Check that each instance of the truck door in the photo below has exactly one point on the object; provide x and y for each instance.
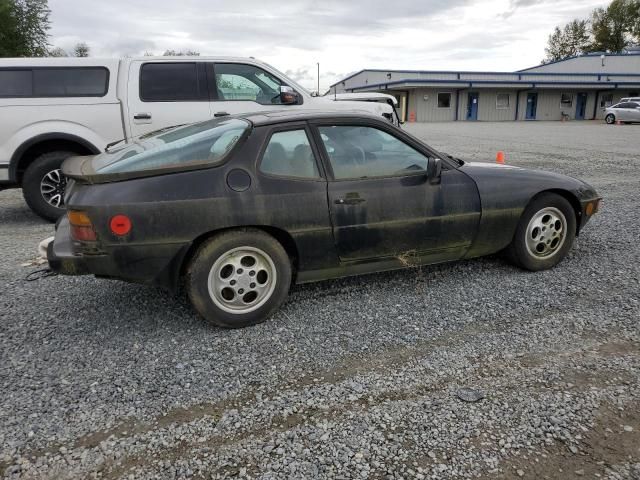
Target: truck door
(162, 94)
(241, 88)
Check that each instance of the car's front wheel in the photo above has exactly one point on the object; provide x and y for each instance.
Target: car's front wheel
(610, 119)
(545, 233)
(239, 278)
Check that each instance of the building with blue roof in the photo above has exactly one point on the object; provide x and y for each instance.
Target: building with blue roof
(578, 88)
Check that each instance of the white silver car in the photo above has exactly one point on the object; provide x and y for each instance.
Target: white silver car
(627, 112)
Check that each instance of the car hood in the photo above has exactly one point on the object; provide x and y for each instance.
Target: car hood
(375, 108)
(364, 97)
(511, 178)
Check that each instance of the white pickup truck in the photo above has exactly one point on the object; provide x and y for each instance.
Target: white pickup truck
(52, 108)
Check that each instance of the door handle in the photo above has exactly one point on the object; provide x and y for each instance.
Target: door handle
(142, 116)
(349, 201)
(221, 114)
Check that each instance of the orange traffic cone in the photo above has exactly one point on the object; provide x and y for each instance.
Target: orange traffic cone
(500, 157)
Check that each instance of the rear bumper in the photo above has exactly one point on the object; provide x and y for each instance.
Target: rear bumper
(158, 265)
(5, 181)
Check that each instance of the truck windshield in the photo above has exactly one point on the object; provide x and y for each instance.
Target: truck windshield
(201, 143)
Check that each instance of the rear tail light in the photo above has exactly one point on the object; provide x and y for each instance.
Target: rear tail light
(81, 226)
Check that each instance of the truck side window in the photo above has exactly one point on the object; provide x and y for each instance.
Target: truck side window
(237, 81)
(50, 82)
(171, 82)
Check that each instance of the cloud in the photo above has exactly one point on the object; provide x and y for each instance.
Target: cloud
(293, 36)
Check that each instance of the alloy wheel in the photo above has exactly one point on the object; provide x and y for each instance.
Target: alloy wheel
(52, 187)
(546, 233)
(242, 280)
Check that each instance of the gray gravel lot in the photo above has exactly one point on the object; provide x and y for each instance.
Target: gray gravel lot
(354, 378)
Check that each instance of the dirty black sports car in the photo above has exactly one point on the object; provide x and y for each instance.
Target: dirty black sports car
(239, 208)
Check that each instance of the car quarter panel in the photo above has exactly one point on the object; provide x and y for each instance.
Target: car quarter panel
(505, 191)
(180, 208)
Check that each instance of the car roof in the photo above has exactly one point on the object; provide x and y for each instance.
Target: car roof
(288, 115)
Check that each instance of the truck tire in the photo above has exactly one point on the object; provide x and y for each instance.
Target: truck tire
(43, 185)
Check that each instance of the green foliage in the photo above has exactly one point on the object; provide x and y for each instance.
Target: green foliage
(180, 53)
(610, 29)
(23, 28)
(572, 40)
(81, 50)
(57, 52)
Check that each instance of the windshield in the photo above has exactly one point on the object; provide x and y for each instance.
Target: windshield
(201, 143)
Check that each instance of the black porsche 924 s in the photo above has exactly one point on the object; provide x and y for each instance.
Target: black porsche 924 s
(237, 209)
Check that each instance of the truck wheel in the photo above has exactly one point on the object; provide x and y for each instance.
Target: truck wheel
(545, 233)
(610, 119)
(43, 185)
(238, 278)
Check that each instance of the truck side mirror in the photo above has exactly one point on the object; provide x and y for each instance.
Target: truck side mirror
(288, 96)
(434, 170)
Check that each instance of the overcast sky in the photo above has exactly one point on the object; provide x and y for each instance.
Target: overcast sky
(343, 35)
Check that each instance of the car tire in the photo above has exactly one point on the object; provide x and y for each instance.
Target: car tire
(545, 233)
(610, 119)
(43, 185)
(238, 278)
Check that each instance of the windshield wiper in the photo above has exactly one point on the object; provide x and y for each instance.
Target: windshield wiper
(455, 159)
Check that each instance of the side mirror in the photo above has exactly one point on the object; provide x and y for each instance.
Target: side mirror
(288, 96)
(434, 170)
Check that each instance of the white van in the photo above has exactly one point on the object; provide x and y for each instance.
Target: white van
(52, 108)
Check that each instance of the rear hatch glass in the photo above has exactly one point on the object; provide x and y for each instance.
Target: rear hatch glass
(201, 143)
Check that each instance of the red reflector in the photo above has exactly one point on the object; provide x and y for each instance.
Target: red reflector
(83, 234)
(120, 225)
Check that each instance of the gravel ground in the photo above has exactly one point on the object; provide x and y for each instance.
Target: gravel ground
(355, 378)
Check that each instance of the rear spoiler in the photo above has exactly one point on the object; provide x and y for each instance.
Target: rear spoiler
(77, 167)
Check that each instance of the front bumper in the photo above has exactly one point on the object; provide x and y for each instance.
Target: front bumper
(588, 208)
(158, 265)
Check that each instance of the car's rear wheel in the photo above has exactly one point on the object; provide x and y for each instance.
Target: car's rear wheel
(43, 185)
(238, 278)
(610, 119)
(545, 233)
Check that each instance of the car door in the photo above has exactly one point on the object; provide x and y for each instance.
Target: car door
(624, 111)
(634, 113)
(383, 204)
(162, 94)
(241, 88)
(292, 192)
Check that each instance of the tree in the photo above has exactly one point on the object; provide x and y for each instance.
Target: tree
(58, 52)
(610, 29)
(81, 50)
(23, 28)
(180, 53)
(572, 40)
(635, 21)
(613, 28)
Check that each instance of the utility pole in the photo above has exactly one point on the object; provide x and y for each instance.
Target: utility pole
(318, 78)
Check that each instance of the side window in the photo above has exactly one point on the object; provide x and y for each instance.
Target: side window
(170, 82)
(361, 152)
(49, 82)
(606, 100)
(566, 100)
(289, 154)
(70, 82)
(16, 83)
(444, 100)
(236, 81)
